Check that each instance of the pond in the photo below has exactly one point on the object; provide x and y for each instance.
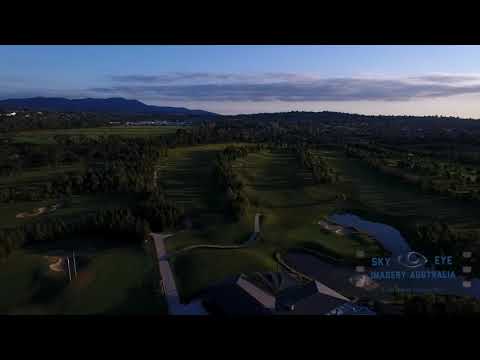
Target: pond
(390, 238)
(393, 241)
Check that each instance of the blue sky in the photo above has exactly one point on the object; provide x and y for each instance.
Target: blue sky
(443, 80)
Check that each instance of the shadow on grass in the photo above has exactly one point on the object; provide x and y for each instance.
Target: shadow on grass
(46, 287)
(140, 300)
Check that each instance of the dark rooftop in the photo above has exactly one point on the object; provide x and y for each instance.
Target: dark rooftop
(312, 298)
(230, 299)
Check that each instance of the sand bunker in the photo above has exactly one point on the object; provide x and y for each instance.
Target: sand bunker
(36, 212)
(57, 264)
(337, 229)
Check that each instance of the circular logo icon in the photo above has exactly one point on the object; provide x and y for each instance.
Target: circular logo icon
(412, 259)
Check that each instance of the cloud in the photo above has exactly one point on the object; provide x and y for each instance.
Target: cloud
(447, 78)
(204, 87)
(286, 87)
(208, 78)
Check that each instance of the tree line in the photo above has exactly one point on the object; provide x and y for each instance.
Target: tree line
(322, 173)
(429, 174)
(227, 179)
(116, 165)
(36, 120)
(131, 225)
(116, 225)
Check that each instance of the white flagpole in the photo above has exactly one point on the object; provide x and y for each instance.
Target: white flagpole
(69, 273)
(74, 265)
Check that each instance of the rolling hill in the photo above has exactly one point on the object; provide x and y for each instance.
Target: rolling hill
(110, 105)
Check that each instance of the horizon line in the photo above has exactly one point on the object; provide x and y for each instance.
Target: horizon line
(237, 114)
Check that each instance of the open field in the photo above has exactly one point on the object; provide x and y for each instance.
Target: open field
(114, 280)
(47, 136)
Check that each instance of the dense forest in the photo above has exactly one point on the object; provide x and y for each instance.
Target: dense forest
(111, 164)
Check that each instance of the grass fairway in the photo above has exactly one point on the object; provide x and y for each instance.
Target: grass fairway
(276, 180)
(198, 269)
(17, 278)
(114, 281)
(186, 175)
(291, 204)
(47, 136)
(214, 232)
(389, 195)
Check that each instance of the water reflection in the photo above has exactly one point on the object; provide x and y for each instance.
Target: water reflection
(393, 241)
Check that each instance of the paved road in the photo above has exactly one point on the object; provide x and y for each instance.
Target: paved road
(175, 307)
(255, 233)
(168, 281)
(251, 240)
(257, 223)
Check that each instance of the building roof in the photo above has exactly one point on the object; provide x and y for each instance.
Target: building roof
(239, 296)
(317, 304)
(294, 294)
(312, 298)
(263, 297)
(231, 298)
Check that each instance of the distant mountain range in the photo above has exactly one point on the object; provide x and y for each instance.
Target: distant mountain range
(111, 105)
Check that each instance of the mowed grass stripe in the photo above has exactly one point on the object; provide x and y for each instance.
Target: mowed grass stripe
(187, 175)
(390, 195)
(275, 179)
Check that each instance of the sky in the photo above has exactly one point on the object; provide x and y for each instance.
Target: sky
(411, 80)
